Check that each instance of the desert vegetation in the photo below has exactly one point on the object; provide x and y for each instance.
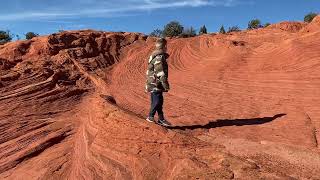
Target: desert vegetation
(173, 29)
(31, 35)
(234, 29)
(203, 30)
(5, 36)
(266, 24)
(222, 30)
(156, 33)
(188, 32)
(176, 29)
(254, 24)
(309, 17)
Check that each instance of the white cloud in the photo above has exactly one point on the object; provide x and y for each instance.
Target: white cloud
(112, 8)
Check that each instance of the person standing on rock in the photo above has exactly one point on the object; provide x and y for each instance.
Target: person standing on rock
(157, 81)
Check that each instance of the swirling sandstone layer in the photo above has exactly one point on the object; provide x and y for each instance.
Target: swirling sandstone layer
(244, 105)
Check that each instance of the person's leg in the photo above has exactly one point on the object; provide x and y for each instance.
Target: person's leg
(153, 108)
(161, 120)
(160, 106)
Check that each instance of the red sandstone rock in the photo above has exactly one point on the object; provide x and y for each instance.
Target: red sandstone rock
(245, 105)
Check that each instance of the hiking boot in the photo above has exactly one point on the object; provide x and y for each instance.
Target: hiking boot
(164, 122)
(150, 119)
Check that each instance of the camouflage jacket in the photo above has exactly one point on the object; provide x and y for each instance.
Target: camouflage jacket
(157, 73)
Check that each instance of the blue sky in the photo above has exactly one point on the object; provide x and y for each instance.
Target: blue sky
(49, 16)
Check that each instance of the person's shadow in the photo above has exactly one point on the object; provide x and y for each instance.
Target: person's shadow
(229, 122)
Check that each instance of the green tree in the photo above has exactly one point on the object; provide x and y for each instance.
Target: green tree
(156, 33)
(254, 24)
(31, 35)
(234, 29)
(222, 30)
(203, 30)
(309, 17)
(174, 28)
(188, 32)
(5, 37)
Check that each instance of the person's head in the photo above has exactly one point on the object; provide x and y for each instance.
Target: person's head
(161, 44)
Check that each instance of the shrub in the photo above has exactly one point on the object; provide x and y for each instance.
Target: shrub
(5, 37)
(254, 24)
(234, 29)
(189, 32)
(309, 17)
(31, 35)
(266, 24)
(203, 30)
(156, 33)
(222, 30)
(172, 29)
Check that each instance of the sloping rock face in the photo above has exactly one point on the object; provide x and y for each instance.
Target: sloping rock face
(243, 105)
(313, 26)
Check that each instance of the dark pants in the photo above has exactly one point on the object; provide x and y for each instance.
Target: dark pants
(156, 105)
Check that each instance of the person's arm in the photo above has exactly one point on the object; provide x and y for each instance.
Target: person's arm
(148, 74)
(161, 69)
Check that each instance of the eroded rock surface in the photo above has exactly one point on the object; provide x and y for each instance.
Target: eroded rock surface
(244, 105)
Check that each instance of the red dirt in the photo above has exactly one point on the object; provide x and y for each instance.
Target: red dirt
(245, 105)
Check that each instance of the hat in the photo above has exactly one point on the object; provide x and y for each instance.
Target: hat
(161, 43)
